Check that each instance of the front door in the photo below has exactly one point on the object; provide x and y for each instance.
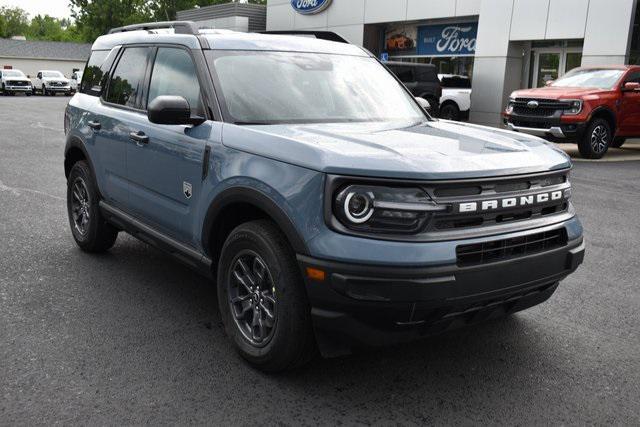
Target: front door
(165, 167)
(552, 63)
(629, 110)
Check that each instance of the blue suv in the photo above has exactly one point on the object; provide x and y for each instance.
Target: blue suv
(332, 211)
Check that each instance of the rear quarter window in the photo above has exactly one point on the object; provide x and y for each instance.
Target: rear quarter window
(95, 74)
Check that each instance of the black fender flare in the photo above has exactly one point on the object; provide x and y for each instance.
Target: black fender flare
(74, 142)
(243, 194)
(607, 110)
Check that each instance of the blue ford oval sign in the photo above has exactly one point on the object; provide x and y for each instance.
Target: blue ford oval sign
(309, 7)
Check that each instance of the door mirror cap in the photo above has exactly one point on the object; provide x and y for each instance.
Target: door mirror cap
(423, 103)
(171, 110)
(631, 87)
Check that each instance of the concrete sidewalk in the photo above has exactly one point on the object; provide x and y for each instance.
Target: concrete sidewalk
(630, 151)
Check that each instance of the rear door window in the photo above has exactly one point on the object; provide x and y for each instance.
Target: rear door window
(126, 83)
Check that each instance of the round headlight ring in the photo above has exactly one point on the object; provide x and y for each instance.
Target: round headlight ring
(362, 204)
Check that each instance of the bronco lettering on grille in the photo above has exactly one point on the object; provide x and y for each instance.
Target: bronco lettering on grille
(511, 202)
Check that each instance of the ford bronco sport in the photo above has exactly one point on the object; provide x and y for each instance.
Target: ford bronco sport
(597, 107)
(332, 210)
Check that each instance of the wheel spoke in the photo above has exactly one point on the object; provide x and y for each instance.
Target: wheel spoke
(244, 309)
(242, 281)
(268, 297)
(259, 269)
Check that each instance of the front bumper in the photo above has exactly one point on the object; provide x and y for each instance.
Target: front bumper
(361, 305)
(58, 88)
(18, 88)
(545, 127)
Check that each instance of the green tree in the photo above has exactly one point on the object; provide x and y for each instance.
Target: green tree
(95, 17)
(14, 21)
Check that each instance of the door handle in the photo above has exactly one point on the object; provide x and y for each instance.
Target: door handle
(139, 137)
(94, 125)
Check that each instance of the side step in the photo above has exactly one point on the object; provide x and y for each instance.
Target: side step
(147, 234)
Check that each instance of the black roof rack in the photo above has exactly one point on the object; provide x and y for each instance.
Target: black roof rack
(180, 27)
(322, 35)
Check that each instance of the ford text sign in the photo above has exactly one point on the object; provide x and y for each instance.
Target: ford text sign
(447, 39)
(308, 7)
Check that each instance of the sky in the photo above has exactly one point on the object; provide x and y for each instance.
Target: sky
(56, 8)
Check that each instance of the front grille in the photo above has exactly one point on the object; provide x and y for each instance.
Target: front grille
(19, 83)
(498, 250)
(545, 108)
(478, 191)
(536, 112)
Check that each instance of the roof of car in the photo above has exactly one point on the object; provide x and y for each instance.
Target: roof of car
(230, 40)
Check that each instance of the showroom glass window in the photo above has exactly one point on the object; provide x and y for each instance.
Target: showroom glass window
(174, 73)
(127, 79)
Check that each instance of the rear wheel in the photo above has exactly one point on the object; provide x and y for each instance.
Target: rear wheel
(450, 111)
(618, 142)
(90, 231)
(4, 91)
(596, 140)
(263, 303)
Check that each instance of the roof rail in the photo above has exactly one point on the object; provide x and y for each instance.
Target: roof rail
(322, 35)
(180, 27)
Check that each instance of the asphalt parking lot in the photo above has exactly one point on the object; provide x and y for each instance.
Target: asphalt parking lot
(132, 337)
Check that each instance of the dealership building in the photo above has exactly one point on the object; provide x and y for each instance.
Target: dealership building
(502, 45)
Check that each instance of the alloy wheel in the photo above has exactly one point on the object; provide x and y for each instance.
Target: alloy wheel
(80, 206)
(599, 139)
(252, 297)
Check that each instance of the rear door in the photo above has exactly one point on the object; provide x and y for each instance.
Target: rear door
(165, 169)
(629, 111)
(117, 113)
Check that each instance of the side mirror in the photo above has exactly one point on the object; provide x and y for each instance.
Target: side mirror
(423, 103)
(549, 82)
(171, 110)
(631, 87)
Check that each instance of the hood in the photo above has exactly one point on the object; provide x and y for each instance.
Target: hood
(431, 150)
(553, 92)
(55, 79)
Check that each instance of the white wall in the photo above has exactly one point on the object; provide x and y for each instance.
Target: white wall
(32, 66)
(503, 26)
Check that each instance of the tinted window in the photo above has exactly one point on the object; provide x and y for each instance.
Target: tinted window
(93, 78)
(405, 74)
(174, 73)
(128, 77)
(426, 74)
(456, 82)
(633, 77)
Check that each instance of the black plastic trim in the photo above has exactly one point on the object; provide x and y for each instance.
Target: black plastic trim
(148, 234)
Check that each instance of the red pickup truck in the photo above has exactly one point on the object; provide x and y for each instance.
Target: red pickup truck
(597, 107)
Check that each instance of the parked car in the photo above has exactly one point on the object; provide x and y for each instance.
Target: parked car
(14, 81)
(76, 78)
(421, 79)
(333, 211)
(50, 83)
(455, 101)
(596, 107)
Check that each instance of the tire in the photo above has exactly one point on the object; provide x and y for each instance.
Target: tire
(450, 111)
(618, 142)
(27, 93)
(45, 92)
(263, 260)
(596, 139)
(4, 91)
(95, 234)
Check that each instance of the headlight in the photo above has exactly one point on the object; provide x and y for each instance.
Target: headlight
(509, 108)
(378, 209)
(575, 106)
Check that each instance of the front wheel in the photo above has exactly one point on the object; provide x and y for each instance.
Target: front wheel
(596, 140)
(90, 231)
(263, 303)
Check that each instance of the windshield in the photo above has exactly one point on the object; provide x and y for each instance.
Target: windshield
(598, 78)
(54, 74)
(13, 73)
(261, 87)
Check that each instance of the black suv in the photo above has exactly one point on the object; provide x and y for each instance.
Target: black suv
(421, 79)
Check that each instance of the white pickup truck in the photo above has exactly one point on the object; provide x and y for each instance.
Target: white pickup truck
(14, 81)
(50, 82)
(455, 101)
